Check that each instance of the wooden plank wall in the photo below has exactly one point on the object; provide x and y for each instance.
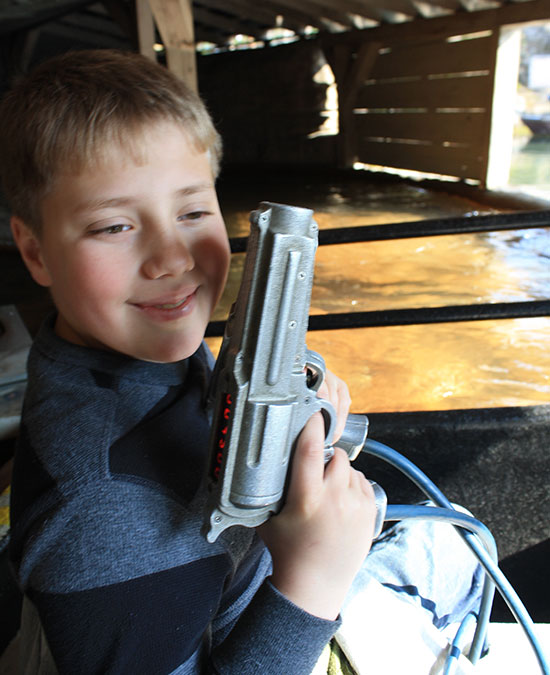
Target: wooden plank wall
(409, 96)
(422, 104)
(427, 106)
(267, 106)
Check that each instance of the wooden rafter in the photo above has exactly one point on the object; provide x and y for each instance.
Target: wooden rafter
(174, 19)
(461, 22)
(218, 20)
(145, 28)
(292, 18)
(260, 13)
(221, 22)
(350, 7)
(312, 12)
(451, 5)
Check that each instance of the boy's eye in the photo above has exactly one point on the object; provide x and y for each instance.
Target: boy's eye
(193, 215)
(112, 229)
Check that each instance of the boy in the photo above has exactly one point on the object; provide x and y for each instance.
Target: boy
(109, 163)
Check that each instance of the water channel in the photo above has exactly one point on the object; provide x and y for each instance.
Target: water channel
(409, 368)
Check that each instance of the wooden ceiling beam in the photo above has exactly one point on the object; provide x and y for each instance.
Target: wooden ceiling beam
(146, 29)
(226, 24)
(452, 5)
(265, 14)
(404, 7)
(174, 19)
(455, 24)
(256, 13)
(370, 9)
(292, 19)
(296, 15)
(350, 7)
(313, 14)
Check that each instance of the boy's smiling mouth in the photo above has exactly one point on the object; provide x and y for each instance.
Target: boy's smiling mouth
(169, 308)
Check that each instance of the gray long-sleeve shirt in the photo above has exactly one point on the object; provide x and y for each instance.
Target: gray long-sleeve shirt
(107, 506)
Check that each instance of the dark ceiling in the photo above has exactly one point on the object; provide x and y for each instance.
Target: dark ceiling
(112, 22)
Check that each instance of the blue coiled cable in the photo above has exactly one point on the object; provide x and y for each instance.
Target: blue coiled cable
(478, 538)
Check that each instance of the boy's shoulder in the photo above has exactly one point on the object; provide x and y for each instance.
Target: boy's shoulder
(103, 441)
(79, 398)
(74, 377)
(53, 356)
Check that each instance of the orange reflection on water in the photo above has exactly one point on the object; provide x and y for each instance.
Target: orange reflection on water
(437, 366)
(441, 366)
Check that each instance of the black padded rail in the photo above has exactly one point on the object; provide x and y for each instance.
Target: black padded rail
(424, 228)
(422, 315)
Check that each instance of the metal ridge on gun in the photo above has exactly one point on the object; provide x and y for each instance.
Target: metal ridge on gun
(265, 382)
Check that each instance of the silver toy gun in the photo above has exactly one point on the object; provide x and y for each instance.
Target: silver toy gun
(265, 382)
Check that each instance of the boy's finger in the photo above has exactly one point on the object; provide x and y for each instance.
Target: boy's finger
(336, 391)
(308, 465)
(338, 469)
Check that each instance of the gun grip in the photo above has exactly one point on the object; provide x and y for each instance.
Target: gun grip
(354, 435)
(381, 505)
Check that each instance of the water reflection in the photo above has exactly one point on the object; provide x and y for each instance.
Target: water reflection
(441, 366)
(435, 367)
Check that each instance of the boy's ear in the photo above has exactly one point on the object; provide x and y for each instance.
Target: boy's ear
(31, 251)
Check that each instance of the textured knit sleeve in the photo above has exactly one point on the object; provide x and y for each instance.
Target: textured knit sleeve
(106, 539)
(273, 636)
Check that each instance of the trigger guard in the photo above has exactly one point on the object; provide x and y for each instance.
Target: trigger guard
(329, 416)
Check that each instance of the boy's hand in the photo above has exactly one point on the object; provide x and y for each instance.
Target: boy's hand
(336, 391)
(322, 535)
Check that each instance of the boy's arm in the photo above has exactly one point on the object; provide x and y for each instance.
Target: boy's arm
(123, 581)
(318, 542)
(158, 622)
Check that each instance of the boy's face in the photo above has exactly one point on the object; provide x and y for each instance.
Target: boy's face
(135, 252)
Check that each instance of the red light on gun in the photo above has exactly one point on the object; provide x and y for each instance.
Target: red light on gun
(221, 437)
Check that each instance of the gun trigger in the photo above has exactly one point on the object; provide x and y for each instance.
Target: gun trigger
(312, 379)
(329, 415)
(315, 370)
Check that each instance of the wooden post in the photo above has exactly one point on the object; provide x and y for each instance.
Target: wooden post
(146, 29)
(350, 69)
(174, 19)
(503, 111)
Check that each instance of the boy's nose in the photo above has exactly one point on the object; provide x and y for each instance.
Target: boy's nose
(167, 256)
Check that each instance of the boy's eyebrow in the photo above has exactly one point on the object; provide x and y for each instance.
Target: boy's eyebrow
(96, 204)
(193, 189)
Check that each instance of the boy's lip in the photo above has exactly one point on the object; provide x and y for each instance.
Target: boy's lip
(170, 301)
(170, 307)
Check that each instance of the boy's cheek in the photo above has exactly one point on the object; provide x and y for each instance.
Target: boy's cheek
(84, 285)
(215, 254)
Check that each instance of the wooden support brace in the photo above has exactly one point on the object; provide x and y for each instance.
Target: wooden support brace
(358, 72)
(174, 19)
(145, 29)
(350, 70)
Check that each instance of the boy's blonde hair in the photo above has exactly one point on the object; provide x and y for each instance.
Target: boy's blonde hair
(68, 111)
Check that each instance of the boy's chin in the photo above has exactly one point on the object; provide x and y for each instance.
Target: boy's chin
(169, 353)
(148, 346)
